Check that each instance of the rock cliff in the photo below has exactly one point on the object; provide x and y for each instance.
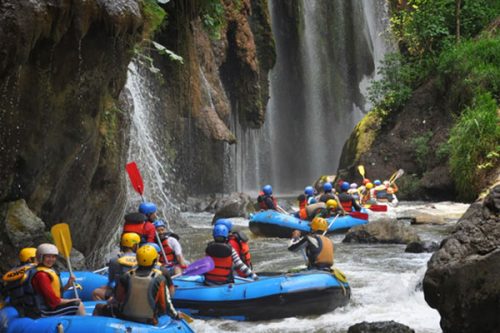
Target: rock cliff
(461, 281)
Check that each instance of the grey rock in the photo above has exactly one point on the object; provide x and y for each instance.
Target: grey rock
(21, 224)
(462, 281)
(380, 327)
(424, 218)
(382, 231)
(419, 247)
(235, 205)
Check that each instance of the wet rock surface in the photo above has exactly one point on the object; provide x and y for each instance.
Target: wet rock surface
(461, 281)
(235, 205)
(382, 231)
(424, 246)
(380, 327)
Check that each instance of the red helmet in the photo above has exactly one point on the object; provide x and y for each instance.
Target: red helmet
(366, 181)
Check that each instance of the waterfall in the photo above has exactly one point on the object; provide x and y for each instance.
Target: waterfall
(327, 53)
(146, 147)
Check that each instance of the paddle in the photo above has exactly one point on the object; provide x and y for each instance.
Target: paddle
(396, 175)
(62, 239)
(359, 215)
(186, 317)
(331, 223)
(198, 267)
(361, 170)
(138, 185)
(378, 208)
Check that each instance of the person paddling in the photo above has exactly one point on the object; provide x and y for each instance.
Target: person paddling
(225, 258)
(346, 200)
(267, 201)
(318, 248)
(172, 248)
(239, 242)
(48, 288)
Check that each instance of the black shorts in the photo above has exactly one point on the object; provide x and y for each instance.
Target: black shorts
(67, 309)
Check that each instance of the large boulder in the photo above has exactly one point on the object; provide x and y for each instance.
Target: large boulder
(419, 247)
(21, 224)
(380, 327)
(237, 204)
(382, 231)
(462, 279)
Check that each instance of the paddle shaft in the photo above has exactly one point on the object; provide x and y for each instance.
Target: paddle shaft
(138, 185)
(69, 264)
(331, 223)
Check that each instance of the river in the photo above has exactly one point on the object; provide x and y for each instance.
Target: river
(385, 281)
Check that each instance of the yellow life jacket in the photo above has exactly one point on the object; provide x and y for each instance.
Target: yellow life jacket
(18, 274)
(128, 260)
(140, 304)
(55, 281)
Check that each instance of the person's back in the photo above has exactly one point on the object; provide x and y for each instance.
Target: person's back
(346, 200)
(15, 283)
(266, 199)
(142, 292)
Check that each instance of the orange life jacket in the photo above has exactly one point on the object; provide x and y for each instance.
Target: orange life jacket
(243, 251)
(221, 253)
(303, 213)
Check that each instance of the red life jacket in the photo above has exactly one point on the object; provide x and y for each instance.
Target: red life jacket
(243, 251)
(221, 253)
(169, 253)
(137, 228)
(262, 202)
(303, 213)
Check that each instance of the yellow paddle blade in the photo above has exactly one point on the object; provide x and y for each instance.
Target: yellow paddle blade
(186, 317)
(62, 238)
(361, 170)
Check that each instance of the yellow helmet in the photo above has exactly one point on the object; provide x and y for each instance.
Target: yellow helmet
(146, 255)
(26, 254)
(130, 239)
(319, 224)
(369, 186)
(331, 203)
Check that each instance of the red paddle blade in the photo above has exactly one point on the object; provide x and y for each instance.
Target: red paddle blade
(378, 208)
(135, 177)
(359, 215)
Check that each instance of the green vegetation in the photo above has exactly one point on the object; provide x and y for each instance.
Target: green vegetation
(154, 16)
(212, 14)
(446, 40)
(475, 144)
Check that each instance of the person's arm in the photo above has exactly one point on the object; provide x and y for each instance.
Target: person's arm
(168, 280)
(176, 247)
(356, 205)
(297, 243)
(240, 265)
(164, 301)
(41, 285)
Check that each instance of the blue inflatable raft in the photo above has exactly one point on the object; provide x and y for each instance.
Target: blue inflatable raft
(270, 297)
(271, 223)
(11, 322)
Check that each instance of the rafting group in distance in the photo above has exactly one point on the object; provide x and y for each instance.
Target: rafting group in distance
(149, 281)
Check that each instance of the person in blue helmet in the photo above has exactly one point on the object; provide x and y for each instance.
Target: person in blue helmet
(327, 193)
(309, 192)
(267, 201)
(149, 209)
(174, 262)
(239, 242)
(226, 259)
(347, 201)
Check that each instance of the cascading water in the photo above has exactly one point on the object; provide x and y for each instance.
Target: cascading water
(145, 145)
(327, 52)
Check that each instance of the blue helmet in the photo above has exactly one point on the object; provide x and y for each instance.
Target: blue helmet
(345, 186)
(267, 189)
(147, 208)
(159, 223)
(156, 246)
(225, 222)
(377, 182)
(309, 191)
(220, 230)
(327, 187)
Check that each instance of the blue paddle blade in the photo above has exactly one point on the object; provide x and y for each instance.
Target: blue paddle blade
(201, 266)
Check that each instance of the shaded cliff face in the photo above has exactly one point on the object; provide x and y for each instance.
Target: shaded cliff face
(461, 281)
(220, 80)
(384, 145)
(62, 134)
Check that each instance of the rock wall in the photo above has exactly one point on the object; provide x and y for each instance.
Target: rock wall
(62, 66)
(384, 144)
(461, 281)
(221, 81)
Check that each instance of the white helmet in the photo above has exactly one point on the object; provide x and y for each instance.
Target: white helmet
(386, 183)
(45, 248)
(354, 186)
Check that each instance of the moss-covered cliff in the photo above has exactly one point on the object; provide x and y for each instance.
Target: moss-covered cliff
(62, 67)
